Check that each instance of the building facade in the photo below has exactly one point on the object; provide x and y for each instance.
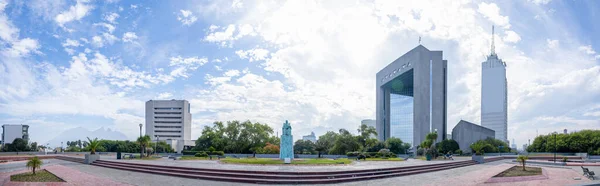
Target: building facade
(370, 123)
(411, 97)
(169, 121)
(310, 137)
(11, 132)
(494, 102)
(466, 133)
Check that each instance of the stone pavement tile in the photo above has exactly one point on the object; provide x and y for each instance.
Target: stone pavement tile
(69, 175)
(556, 176)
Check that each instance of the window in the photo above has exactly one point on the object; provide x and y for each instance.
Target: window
(167, 121)
(167, 127)
(167, 108)
(175, 131)
(167, 117)
(167, 112)
(168, 136)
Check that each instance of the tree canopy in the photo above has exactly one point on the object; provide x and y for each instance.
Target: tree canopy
(236, 137)
(586, 141)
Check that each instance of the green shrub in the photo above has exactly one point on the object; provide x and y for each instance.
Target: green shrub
(218, 153)
(201, 154)
(352, 154)
(459, 152)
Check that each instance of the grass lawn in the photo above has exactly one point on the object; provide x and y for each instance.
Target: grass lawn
(518, 171)
(40, 176)
(137, 157)
(382, 159)
(269, 161)
(197, 158)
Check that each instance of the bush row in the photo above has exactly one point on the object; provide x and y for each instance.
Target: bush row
(190, 152)
(372, 154)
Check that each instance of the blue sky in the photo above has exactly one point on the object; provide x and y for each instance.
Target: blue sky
(92, 64)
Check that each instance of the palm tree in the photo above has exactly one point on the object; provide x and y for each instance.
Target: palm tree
(34, 163)
(143, 141)
(93, 144)
(522, 159)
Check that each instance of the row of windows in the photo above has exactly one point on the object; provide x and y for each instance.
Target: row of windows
(396, 71)
(175, 131)
(167, 122)
(167, 117)
(167, 127)
(167, 112)
(169, 108)
(168, 136)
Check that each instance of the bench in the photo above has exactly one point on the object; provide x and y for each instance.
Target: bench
(588, 173)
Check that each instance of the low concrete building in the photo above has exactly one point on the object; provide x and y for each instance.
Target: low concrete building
(466, 133)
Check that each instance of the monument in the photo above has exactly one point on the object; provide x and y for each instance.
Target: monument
(286, 145)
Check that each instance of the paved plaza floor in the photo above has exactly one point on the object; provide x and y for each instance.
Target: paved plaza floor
(469, 175)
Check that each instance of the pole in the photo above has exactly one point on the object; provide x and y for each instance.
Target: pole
(554, 147)
(156, 145)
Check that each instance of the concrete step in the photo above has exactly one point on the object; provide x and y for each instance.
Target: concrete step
(263, 177)
(323, 175)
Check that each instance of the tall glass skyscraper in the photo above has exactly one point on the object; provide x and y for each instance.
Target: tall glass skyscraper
(411, 97)
(494, 101)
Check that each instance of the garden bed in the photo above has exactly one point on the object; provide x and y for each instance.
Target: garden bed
(518, 171)
(40, 176)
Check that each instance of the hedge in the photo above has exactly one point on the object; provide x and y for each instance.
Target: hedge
(372, 154)
(189, 152)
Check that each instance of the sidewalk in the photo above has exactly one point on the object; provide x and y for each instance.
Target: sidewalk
(69, 175)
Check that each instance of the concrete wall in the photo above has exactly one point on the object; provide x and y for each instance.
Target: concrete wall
(466, 133)
(429, 93)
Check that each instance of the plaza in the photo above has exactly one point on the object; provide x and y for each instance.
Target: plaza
(477, 174)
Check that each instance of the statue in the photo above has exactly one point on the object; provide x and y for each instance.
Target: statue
(286, 145)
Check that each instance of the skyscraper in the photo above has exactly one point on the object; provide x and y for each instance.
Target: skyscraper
(494, 94)
(411, 97)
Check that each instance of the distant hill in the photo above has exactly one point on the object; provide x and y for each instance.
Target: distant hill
(80, 133)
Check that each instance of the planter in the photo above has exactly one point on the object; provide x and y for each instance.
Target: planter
(428, 157)
(90, 158)
(478, 158)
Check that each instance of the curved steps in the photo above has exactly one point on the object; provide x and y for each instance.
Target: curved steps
(270, 177)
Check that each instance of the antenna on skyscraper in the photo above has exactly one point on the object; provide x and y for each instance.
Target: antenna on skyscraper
(493, 47)
(419, 40)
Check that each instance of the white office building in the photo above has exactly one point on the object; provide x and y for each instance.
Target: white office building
(494, 95)
(11, 132)
(310, 137)
(170, 121)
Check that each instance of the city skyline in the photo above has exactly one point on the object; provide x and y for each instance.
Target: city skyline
(68, 64)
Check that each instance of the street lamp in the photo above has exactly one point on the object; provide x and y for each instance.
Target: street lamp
(140, 130)
(554, 146)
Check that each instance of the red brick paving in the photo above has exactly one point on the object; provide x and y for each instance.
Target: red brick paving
(71, 177)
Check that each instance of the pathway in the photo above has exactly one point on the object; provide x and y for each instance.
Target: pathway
(69, 175)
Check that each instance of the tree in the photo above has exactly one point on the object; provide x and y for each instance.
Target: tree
(374, 145)
(33, 146)
(18, 145)
(522, 159)
(143, 141)
(446, 146)
(34, 163)
(326, 142)
(396, 145)
(93, 145)
(304, 147)
(270, 149)
(364, 133)
(344, 142)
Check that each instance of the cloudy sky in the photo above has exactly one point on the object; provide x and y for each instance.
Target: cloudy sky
(92, 64)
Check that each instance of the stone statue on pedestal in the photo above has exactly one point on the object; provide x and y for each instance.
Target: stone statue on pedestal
(286, 145)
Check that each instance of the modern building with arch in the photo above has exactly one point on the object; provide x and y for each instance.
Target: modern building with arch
(411, 97)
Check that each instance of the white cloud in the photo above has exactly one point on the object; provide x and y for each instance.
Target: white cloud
(71, 43)
(70, 51)
(552, 43)
(186, 17)
(182, 65)
(257, 54)
(221, 37)
(110, 28)
(111, 17)
(491, 11)
(129, 37)
(164, 95)
(540, 2)
(22, 47)
(512, 37)
(232, 73)
(587, 49)
(97, 41)
(75, 12)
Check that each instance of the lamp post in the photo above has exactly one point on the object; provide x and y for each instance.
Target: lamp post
(140, 130)
(554, 147)
(156, 144)
(61, 147)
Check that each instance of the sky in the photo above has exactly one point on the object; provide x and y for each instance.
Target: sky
(93, 64)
